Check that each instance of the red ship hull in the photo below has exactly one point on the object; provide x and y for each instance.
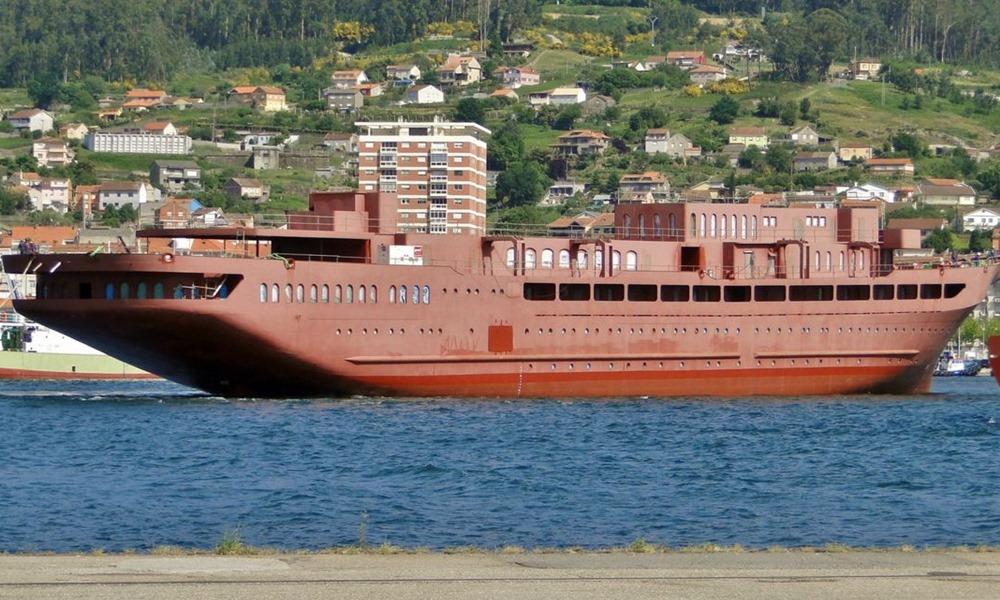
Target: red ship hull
(993, 345)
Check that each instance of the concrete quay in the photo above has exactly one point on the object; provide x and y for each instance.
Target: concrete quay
(577, 576)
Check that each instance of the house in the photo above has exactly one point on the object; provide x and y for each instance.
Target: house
(51, 152)
(865, 69)
(46, 236)
(459, 70)
(517, 49)
(868, 191)
(748, 136)
(73, 131)
(85, 198)
(268, 98)
(341, 142)
(242, 94)
(515, 77)
(173, 213)
(981, 218)
(175, 175)
(686, 59)
(52, 193)
(343, 99)
(656, 140)
(703, 75)
(246, 188)
(159, 128)
(644, 188)
(653, 62)
(33, 119)
(25, 179)
(581, 141)
(402, 75)
(140, 105)
(507, 93)
(371, 89)
(925, 225)
(804, 135)
(567, 95)
(890, 166)
(947, 192)
(121, 193)
(659, 141)
(156, 96)
(584, 224)
(854, 152)
(423, 94)
(560, 191)
(350, 78)
(109, 114)
(815, 161)
(208, 216)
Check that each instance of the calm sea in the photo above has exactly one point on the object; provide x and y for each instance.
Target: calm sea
(134, 465)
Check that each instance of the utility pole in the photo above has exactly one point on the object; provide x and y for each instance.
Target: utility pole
(652, 27)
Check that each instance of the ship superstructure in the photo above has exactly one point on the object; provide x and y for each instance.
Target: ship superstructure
(684, 300)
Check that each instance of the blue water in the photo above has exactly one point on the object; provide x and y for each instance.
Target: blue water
(138, 464)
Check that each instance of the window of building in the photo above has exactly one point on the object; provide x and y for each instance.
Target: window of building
(362, 292)
(416, 294)
(713, 226)
(539, 291)
(769, 293)
(829, 261)
(427, 294)
(701, 225)
(693, 225)
(953, 289)
(300, 293)
(642, 293)
(402, 294)
(707, 293)
(564, 259)
(529, 258)
(392, 294)
(288, 292)
(675, 293)
(609, 292)
(724, 226)
(140, 291)
(810, 293)
(817, 259)
(574, 292)
(581, 259)
(928, 291)
(324, 296)
(616, 259)
(125, 291)
(906, 291)
(853, 292)
(599, 258)
(349, 294)
(547, 258)
(510, 258)
(631, 260)
(158, 291)
(736, 293)
(338, 294)
(753, 227)
(275, 294)
(883, 292)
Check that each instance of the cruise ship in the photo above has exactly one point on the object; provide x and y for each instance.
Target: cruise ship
(682, 299)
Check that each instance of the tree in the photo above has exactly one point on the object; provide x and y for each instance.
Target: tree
(523, 183)
(724, 111)
(646, 117)
(788, 114)
(804, 107)
(506, 146)
(567, 117)
(470, 110)
(908, 144)
(940, 240)
(827, 32)
(44, 90)
(779, 158)
(980, 240)
(751, 158)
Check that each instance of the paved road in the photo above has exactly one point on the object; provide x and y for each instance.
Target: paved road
(840, 576)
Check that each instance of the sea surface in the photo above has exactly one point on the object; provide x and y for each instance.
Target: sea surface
(133, 465)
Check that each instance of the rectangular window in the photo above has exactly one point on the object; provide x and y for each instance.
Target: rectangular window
(930, 291)
(707, 293)
(609, 292)
(572, 292)
(853, 292)
(769, 293)
(642, 293)
(810, 293)
(675, 293)
(737, 293)
(539, 291)
(884, 292)
(907, 291)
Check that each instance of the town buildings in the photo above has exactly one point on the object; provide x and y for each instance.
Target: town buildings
(581, 141)
(946, 192)
(748, 136)
(644, 188)
(436, 169)
(33, 119)
(175, 175)
(981, 218)
(424, 94)
(459, 70)
(137, 143)
(51, 152)
(121, 193)
(247, 189)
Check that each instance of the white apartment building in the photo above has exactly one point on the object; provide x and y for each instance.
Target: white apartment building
(137, 143)
(437, 170)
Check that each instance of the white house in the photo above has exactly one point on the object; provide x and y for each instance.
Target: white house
(567, 95)
(50, 152)
(424, 94)
(120, 193)
(981, 218)
(349, 78)
(51, 194)
(403, 75)
(33, 119)
(868, 191)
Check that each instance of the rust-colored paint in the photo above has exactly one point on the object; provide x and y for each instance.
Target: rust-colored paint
(501, 338)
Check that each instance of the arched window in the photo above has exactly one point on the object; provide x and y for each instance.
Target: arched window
(529, 258)
(616, 260)
(599, 259)
(416, 294)
(392, 294)
(313, 294)
(362, 292)
(140, 291)
(829, 261)
(324, 294)
(701, 225)
(109, 291)
(581, 259)
(402, 294)
(693, 226)
(724, 226)
(124, 291)
(743, 227)
(854, 261)
(817, 259)
(713, 227)
(753, 227)
(672, 225)
(178, 292)
(288, 292)
(300, 293)
(564, 259)
(841, 264)
(658, 226)
(338, 294)
(732, 226)
(158, 290)
(427, 294)
(510, 258)
(349, 294)
(547, 258)
(627, 225)
(372, 294)
(861, 259)
(275, 293)
(642, 226)
(631, 260)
